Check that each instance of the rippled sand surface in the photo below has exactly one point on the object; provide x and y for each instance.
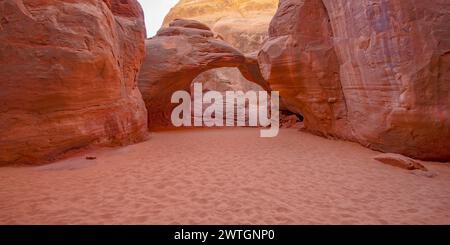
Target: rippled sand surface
(225, 176)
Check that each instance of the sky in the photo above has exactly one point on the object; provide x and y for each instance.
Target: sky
(155, 11)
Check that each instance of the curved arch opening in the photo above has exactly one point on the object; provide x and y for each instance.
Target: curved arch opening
(228, 79)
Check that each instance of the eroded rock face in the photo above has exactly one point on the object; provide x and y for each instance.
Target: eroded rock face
(395, 73)
(241, 23)
(299, 61)
(68, 77)
(177, 55)
(377, 72)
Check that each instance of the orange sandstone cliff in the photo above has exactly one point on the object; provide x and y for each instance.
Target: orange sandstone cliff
(377, 72)
(68, 77)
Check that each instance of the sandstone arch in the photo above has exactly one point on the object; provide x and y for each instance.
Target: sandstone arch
(176, 56)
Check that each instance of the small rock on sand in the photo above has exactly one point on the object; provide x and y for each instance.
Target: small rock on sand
(400, 161)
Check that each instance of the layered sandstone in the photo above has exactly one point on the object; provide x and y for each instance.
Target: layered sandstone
(377, 72)
(68, 77)
(241, 23)
(176, 56)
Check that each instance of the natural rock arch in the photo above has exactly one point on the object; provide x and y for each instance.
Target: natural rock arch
(176, 56)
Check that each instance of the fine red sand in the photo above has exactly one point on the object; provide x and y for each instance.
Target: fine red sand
(225, 176)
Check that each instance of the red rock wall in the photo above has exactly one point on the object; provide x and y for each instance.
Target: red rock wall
(392, 72)
(299, 60)
(68, 76)
(395, 73)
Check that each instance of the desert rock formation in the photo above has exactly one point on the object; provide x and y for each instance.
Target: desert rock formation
(395, 73)
(68, 77)
(241, 23)
(299, 61)
(176, 56)
(377, 72)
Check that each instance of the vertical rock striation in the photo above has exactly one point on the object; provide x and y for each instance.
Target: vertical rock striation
(394, 60)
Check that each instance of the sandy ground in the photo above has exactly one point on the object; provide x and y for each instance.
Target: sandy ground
(225, 176)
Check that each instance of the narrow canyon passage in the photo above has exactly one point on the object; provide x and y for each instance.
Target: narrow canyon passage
(225, 176)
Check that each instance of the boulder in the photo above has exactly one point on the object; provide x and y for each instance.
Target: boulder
(290, 121)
